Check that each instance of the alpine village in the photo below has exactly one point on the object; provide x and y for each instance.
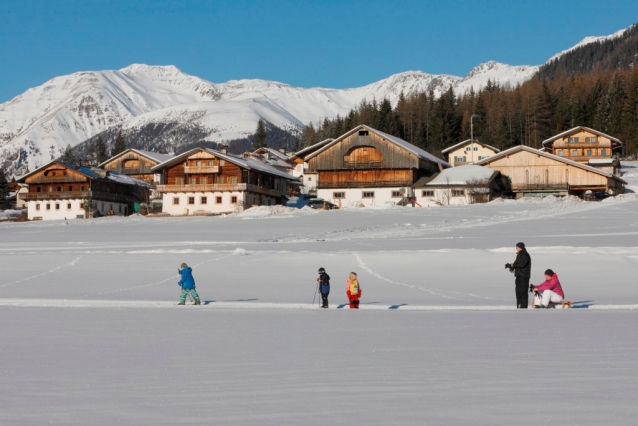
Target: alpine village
(562, 133)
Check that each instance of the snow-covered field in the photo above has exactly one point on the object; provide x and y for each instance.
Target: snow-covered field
(92, 335)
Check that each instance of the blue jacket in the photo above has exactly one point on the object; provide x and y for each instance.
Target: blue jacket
(187, 282)
(324, 283)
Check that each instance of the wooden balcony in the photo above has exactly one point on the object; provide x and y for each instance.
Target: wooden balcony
(362, 164)
(586, 158)
(201, 169)
(226, 187)
(363, 184)
(66, 195)
(583, 145)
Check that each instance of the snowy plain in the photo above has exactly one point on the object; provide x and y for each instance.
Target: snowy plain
(92, 333)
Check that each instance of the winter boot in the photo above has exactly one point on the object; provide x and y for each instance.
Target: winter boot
(181, 303)
(197, 302)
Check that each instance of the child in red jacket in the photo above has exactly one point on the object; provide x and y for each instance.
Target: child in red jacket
(353, 290)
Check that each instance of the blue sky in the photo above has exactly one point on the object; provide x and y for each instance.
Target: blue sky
(304, 43)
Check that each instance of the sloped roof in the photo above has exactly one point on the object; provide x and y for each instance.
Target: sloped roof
(467, 142)
(148, 154)
(313, 147)
(579, 128)
(422, 154)
(462, 175)
(247, 163)
(519, 148)
(272, 151)
(86, 171)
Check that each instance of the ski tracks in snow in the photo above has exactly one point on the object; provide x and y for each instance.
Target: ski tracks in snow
(71, 263)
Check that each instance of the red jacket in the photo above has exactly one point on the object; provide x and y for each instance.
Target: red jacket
(552, 284)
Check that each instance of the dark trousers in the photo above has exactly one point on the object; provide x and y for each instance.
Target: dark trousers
(324, 300)
(522, 287)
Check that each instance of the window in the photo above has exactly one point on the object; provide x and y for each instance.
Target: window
(179, 181)
(210, 162)
(570, 140)
(427, 193)
(459, 159)
(175, 201)
(119, 208)
(339, 195)
(82, 188)
(198, 163)
(82, 206)
(309, 178)
(193, 181)
(603, 152)
(70, 188)
(59, 189)
(222, 162)
(38, 189)
(574, 153)
(233, 179)
(37, 206)
(576, 140)
(586, 139)
(48, 206)
(68, 206)
(220, 180)
(593, 140)
(203, 181)
(191, 200)
(57, 206)
(476, 148)
(218, 200)
(560, 153)
(368, 194)
(203, 200)
(589, 152)
(111, 207)
(363, 133)
(50, 189)
(458, 193)
(233, 199)
(396, 194)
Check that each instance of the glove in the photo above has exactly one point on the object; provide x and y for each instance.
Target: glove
(508, 266)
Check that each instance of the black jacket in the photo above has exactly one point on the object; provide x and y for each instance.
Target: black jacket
(324, 283)
(522, 266)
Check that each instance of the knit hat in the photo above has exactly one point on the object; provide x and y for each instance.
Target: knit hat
(549, 273)
(183, 266)
(520, 245)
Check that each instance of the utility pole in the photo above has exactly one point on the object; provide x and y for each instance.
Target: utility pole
(472, 134)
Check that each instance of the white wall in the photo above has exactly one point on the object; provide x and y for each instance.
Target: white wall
(442, 196)
(63, 212)
(211, 206)
(354, 196)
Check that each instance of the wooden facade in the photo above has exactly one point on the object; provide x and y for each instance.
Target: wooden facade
(583, 144)
(135, 163)
(531, 171)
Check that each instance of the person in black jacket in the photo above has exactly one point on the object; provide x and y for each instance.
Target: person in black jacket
(522, 268)
(324, 287)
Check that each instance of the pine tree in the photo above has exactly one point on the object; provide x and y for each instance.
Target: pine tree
(68, 157)
(120, 145)
(4, 192)
(260, 135)
(100, 151)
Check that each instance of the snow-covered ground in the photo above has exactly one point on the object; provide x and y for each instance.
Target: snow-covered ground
(92, 335)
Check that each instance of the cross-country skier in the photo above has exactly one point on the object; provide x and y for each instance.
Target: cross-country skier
(353, 290)
(187, 283)
(522, 268)
(324, 287)
(549, 291)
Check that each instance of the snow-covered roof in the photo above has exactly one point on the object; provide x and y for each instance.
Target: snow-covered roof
(245, 162)
(580, 128)
(518, 148)
(422, 154)
(313, 147)
(600, 161)
(462, 175)
(93, 174)
(273, 161)
(467, 142)
(272, 151)
(160, 158)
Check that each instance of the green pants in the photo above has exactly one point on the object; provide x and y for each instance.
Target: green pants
(185, 291)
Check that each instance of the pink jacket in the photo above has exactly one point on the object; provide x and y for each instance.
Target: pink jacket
(553, 284)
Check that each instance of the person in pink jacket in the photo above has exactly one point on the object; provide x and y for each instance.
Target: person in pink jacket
(548, 292)
(353, 290)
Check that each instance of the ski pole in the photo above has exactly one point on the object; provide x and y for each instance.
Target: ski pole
(315, 295)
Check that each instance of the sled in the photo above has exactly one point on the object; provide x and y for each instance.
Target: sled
(553, 305)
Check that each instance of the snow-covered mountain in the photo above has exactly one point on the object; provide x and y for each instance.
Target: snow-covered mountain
(37, 125)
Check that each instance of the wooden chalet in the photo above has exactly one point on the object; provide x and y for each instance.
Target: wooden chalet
(368, 167)
(536, 173)
(586, 146)
(468, 151)
(59, 191)
(136, 163)
(205, 181)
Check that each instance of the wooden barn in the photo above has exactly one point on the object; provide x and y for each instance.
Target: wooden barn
(60, 191)
(536, 173)
(136, 163)
(368, 167)
(205, 181)
(586, 146)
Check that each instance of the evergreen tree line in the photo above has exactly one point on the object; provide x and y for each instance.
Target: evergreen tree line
(526, 114)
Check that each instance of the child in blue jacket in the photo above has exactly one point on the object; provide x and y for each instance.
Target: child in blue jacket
(187, 283)
(324, 287)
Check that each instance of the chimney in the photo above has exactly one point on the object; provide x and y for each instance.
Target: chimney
(282, 150)
(223, 149)
(267, 155)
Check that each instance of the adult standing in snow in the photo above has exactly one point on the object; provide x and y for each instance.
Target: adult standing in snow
(522, 268)
(549, 291)
(353, 290)
(187, 283)
(324, 287)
